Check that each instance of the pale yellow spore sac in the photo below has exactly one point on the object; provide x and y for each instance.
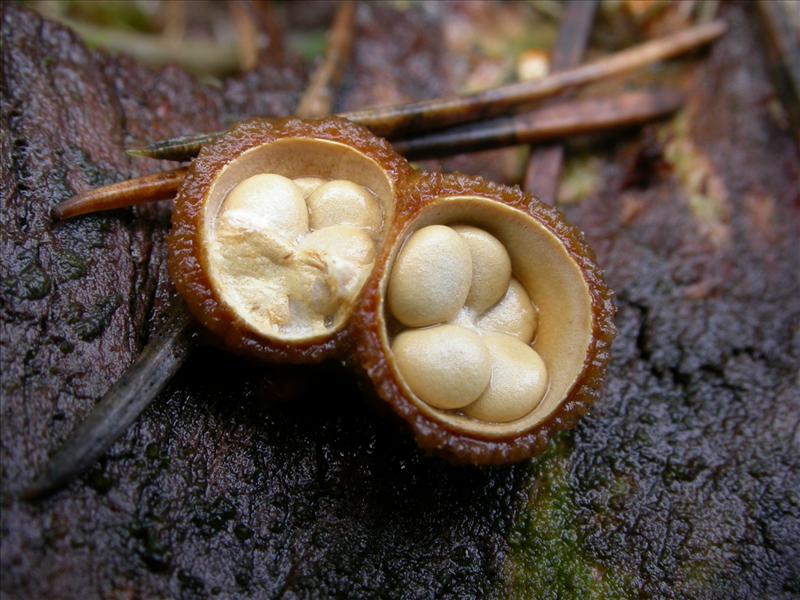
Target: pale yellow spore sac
(491, 267)
(308, 185)
(342, 242)
(430, 278)
(514, 315)
(339, 257)
(341, 202)
(250, 252)
(446, 366)
(267, 201)
(518, 382)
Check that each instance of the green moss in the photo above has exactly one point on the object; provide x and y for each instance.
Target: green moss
(242, 533)
(705, 190)
(152, 451)
(100, 481)
(580, 180)
(546, 557)
(70, 265)
(31, 283)
(90, 323)
(213, 518)
(151, 547)
(308, 44)
(190, 584)
(243, 580)
(699, 575)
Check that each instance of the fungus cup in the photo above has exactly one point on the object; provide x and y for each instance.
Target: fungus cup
(275, 229)
(476, 312)
(507, 343)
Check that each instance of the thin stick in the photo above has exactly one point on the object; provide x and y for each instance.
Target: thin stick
(196, 55)
(174, 17)
(159, 361)
(425, 116)
(126, 399)
(783, 45)
(400, 120)
(567, 118)
(570, 118)
(246, 34)
(317, 100)
(149, 188)
(184, 147)
(544, 166)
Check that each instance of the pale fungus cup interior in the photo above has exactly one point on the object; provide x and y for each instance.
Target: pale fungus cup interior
(487, 315)
(291, 230)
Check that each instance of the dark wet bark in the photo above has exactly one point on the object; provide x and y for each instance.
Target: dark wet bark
(257, 481)
(688, 478)
(241, 480)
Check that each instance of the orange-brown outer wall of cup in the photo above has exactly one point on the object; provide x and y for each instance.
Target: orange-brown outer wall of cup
(187, 262)
(371, 353)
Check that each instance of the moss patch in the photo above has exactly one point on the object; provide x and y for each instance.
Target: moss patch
(580, 180)
(705, 190)
(546, 557)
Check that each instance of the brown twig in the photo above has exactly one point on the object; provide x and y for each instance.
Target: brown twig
(149, 188)
(174, 20)
(315, 102)
(160, 359)
(126, 399)
(246, 34)
(400, 120)
(196, 55)
(783, 45)
(318, 98)
(544, 166)
(566, 119)
(707, 11)
(395, 121)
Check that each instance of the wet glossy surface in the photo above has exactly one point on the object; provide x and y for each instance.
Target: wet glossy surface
(681, 483)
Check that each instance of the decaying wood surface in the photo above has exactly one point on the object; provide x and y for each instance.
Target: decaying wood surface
(244, 480)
